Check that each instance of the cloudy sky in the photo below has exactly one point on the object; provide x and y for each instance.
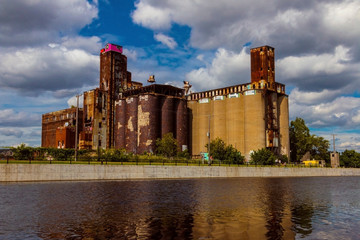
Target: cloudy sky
(49, 52)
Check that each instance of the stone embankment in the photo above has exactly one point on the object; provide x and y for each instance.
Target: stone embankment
(67, 172)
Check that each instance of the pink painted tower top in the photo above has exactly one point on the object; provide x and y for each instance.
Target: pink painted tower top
(112, 47)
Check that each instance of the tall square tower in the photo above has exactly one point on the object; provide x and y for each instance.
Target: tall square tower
(263, 66)
(114, 79)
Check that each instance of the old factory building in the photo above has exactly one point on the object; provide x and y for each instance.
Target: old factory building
(125, 114)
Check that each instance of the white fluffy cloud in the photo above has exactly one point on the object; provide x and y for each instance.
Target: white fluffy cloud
(351, 144)
(41, 49)
(131, 54)
(309, 98)
(305, 66)
(43, 59)
(14, 136)
(166, 40)
(152, 16)
(10, 118)
(38, 22)
(89, 44)
(230, 23)
(11, 132)
(341, 112)
(343, 140)
(73, 101)
(51, 68)
(226, 69)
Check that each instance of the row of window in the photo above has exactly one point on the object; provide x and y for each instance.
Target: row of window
(59, 117)
(236, 89)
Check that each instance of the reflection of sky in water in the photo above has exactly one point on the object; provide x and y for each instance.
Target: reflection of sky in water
(243, 208)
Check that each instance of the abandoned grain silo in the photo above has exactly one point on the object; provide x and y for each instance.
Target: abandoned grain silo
(125, 114)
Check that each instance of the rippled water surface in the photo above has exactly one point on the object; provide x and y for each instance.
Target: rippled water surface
(242, 208)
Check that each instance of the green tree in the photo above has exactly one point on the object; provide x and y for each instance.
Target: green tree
(217, 149)
(320, 148)
(220, 151)
(167, 145)
(110, 155)
(263, 157)
(61, 154)
(184, 154)
(283, 158)
(23, 152)
(350, 158)
(301, 141)
(233, 155)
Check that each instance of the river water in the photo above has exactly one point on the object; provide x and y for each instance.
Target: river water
(237, 208)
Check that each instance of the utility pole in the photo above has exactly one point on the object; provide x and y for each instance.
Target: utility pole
(76, 126)
(98, 147)
(209, 160)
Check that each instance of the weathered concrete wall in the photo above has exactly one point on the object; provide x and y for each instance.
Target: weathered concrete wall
(237, 121)
(283, 103)
(67, 172)
(254, 127)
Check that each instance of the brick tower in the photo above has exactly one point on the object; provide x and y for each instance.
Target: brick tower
(263, 66)
(263, 76)
(114, 79)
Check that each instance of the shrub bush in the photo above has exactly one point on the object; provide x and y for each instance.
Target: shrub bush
(263, 157)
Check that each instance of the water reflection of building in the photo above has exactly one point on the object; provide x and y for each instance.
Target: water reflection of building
(116, 210)
(250, 208)
(166, 209)
(229, 209)
(277, 209)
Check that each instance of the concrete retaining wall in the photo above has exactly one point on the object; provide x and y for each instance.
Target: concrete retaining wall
(67, 172)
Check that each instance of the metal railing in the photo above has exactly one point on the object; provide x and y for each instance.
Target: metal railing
(140, 161)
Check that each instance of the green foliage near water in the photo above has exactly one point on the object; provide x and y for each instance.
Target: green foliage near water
(23, 152)
(225, 153)
(263, 157)
(184, 154)
(167, 145)
(350, 158)
(115, 155)
(301, 141)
